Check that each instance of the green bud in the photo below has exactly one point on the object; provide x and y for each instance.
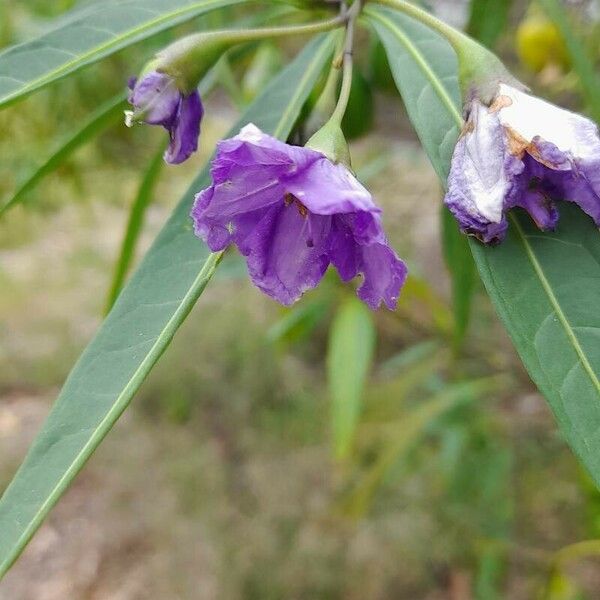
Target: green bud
(480, 71)
(330, 141)
(187, 60)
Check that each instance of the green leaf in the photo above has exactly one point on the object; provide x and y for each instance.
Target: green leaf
(349, 360)
(403, 433)
(545, 286)
(106, 114)
(463, 273)
(425, 69)
(136, 332)
(134, 226)
(582, 63)
(488, 19)
(93, 32)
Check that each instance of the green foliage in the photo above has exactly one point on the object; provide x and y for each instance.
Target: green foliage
(537, 288)
(582, 64)
(349, 359)
(102, 118)
(141, 325)
(134, 226)
(358, 119)
(94, 32)
(459, 261)
(488, 19)
(422, 409)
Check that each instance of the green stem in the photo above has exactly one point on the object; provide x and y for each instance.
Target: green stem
(347, 64)
(190, 45)
(187, 59)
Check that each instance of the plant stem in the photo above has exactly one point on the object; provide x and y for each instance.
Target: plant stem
(237, 36)
(347, 63)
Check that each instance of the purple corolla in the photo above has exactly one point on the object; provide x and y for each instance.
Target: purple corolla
(522, 152)
(291, 212)
(157, 100)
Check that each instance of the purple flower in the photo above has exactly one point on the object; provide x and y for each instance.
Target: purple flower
(157, 101)
(522, 151)
(291, 212)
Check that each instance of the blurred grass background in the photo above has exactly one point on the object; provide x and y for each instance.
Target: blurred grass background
(223, 479)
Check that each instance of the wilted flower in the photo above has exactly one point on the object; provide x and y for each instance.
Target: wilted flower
(292, 212)
(522, 152)
(157, 100)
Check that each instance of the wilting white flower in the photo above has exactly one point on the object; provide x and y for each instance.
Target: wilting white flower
(522, 151)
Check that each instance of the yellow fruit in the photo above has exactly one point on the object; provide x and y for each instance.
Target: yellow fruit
(540, 44)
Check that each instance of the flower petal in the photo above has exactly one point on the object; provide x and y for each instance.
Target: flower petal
(532, 117)
(287, 252)
(156, 98)
(185, 130)
(383, 272)
(326, 188)
(384, 275)
(479, 179)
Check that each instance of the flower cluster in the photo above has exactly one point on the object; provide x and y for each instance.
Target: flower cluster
(522, 152)
(293, 211)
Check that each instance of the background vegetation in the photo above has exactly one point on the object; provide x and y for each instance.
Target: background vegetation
(317, 452)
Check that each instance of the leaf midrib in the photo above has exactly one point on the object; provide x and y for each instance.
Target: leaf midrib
(439, 88)
(421, 61)
(555, 303)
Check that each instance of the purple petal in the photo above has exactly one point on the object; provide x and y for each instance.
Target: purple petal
(156, 98)
(185, 129)
(384, 274)
(287, 252)
(327, 189)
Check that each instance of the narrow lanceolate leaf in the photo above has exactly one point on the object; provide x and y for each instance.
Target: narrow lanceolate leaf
(426, 73)
(425, 53)
(134, 226)
(91, 34)
(349, 360)
(136, 332)
(104, 116)
(545, 286)
(546, 289)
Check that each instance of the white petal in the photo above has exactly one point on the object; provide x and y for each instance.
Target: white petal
(530, 117)
(250, 133)
(482, 164)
